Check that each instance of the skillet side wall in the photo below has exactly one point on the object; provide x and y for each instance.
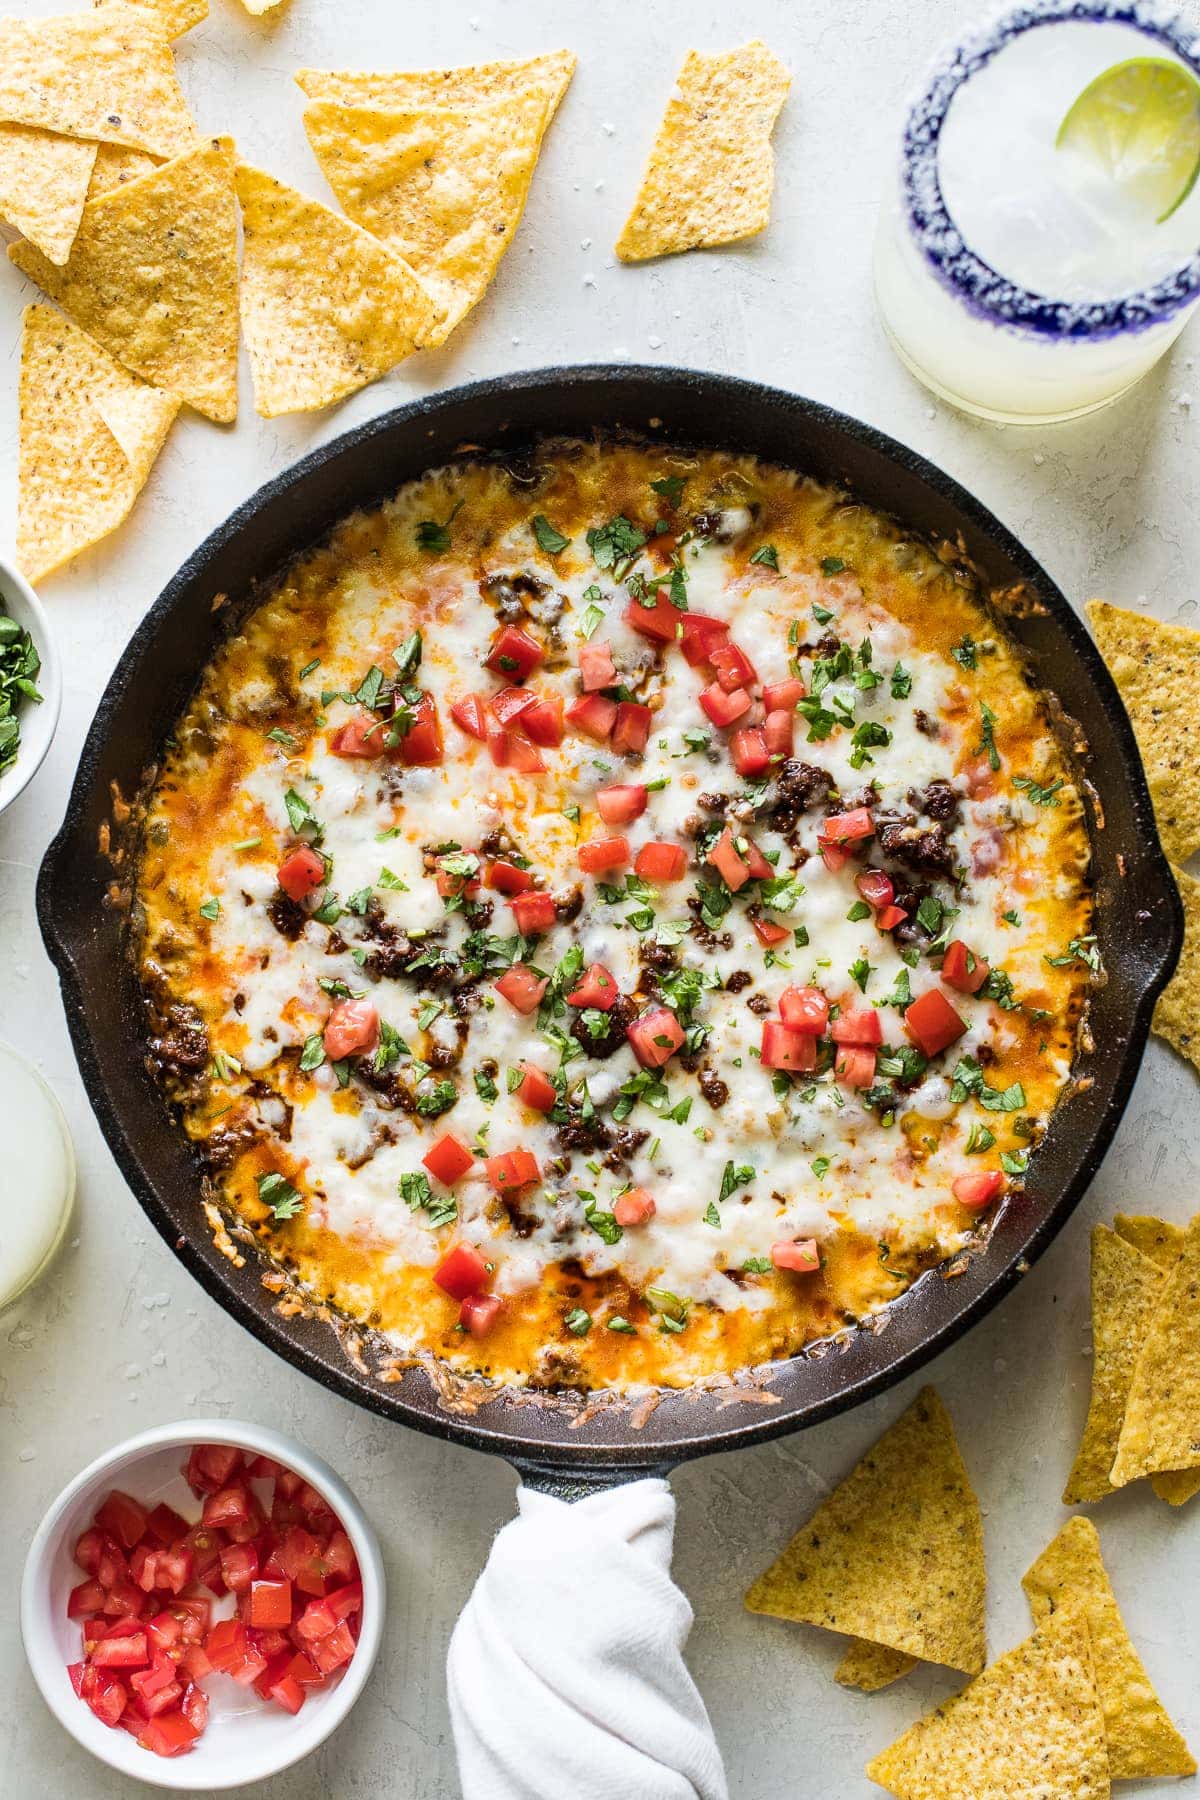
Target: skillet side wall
(1139, 920)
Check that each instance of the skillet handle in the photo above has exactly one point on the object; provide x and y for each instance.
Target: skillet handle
(565, 1673)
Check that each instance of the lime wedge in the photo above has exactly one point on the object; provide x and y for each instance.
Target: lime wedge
(1140, 122)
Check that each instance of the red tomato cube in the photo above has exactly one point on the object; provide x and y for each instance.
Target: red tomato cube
(596, 667)
(734, 668)
(783, 696)
(361, 736)
(535, 1088)
(462, 1271)
(533, 913)
(857, 1025)
(801, 1256)
(522, 988)
(270, 1607)
(804, 1009)
(300, 873)
(239, 1567)
(514, 653)
(543, 722)
(448, 1159)
(123, 1518)
(876, 887)
(723, 708)
(779, 730)
(621, 804)
(767, 932)
(511, 1170)
(600, 855)
(855, 1065)
(631, 728)
(655, 1037)
(633, 1209)
(658, 861)
(932, 1023)
(508, 705)
(659, 621)
(847, 827)
(978, 1190)
(698, 636)
(748, 748)
(352, 1029)
(962, 969)
(596, 987)
(783, 1048)
(594, 715)
(469, 713)
(421, 745)
(507, 878)
(478, 1313)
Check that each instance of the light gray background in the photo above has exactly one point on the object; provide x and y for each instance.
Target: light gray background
(120, 1337)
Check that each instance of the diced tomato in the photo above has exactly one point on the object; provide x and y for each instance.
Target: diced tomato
(362, 735)
(105, 1693)
(962, 969)
(804, 1009)
(724, 708)
(621, 804)
(352, 1029)
(421, 745)
(331, 1651)
(469, 713)
(596, 987)
(848, 827)
(733, 666)
(521, 987)
(462, 1271)
(449, 884)
(228, 1509)
(855, 1065)
(699, 634)
(659, 622)
(594, 715)
(857, 1025)
(876, 887)
(88, 1550)
(226, 1645)
(655, 1037)
(748, 749)
(767, 932)
(130, 1651)
(514, 653)
(978, 1190)
(176, 1567)
(599, 855)
(779, 730)
(270, 1606)
(633, 1209)
(932, 1023)
(535, 1088)
(239, 1567)
(738, 861)
(543, 722)
(448, 1159)
(507, 878)
(631, 728)
(278, 1683)
(211, 1466)
(299, 1555)
(478, 1313)
(194, 1614)
(785, 1048)
(123, 1518)
(206, 1548)
(801, 1256)
(304, 1671)
(508, 705)
(783, 695)
(251, 1667)
(511, 1170)
(596, 667)
(164, 1631)
(659, 861)
(888, 917)
(833, 858)
(340, 1559)
(143, 1567)
(165, 1525)
(124, 1600)
(170, 1735)
(75, 1671)
(160, 1676)
(300, 873)
(533, 913)
(194, 1706)
(85, 1601)
(316, 1621)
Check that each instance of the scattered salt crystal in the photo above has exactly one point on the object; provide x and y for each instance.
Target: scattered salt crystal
(132, 1371)
(1183, 401)
(26, 1455)
(589, 281)
(599, 187)
(585, 243)
(608, 129)
(159, 1359)
(1039, 459)
(655, 343)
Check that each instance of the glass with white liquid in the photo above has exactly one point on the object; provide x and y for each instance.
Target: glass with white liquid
(1015, 277)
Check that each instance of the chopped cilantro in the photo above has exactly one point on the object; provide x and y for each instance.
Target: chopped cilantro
(275, 1191)
(831, 565)
(734, 1176)
(1014, 1162)
(860, 972)
(309, 669)
(820, 1166)
(434, 537)
(210, 908)
(578, 1322)
(549, 540)
(1040, 796)
(901, 682)
(617, 1323)
(1081, 949)
(280, 736)
(768, 556)
(966, 652)
(485, 1087)
(615, 543)
(435, 1100)
(988, 722)
(860, 910)
(408, 657)
(313, 1053)
(671, 488)
(979, 1139)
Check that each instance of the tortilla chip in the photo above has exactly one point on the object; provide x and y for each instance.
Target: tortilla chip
(1126, 1288)
(43, 185)
(401, 90)
(89, 434)
(442, 187)
(1157, 669)
(1070, 1573)
(1176, 1487)
(173, 17)
(1162, 1417)
(870, 1667)
(115, 165)
(711, 171)
(1156, 1238)
(1177, 1015)
(1029, 1728)
(153, 277)
(325, 307)
(895, 1555)
(106, 74)
(258, 7)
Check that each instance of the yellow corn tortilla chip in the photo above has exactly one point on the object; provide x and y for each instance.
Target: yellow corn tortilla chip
(1161, 1431)
(1029, 1728)
(325, 307)
(1177, 1486)
(115, 165)
(106, 74)
(173, 17)
(711, 171)
(152, 276)
(1157, 669)
(43, 186)
(258, 7)
(1126, 1288)
(89, 433)
(1156, 1238)
(401, 90)
(895, 1555)
(1070, 1573)
(870, 1667)
(442, 187)
(1177, 1015)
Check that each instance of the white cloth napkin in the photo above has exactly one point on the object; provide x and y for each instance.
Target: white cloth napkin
(565, 1672)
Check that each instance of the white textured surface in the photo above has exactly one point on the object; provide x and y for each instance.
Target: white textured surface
(120, 1337)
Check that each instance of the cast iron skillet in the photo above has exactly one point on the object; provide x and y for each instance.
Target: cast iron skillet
(1138, 920)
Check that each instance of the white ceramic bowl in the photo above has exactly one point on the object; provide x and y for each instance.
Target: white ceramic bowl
(37, 722)
(247, 1739)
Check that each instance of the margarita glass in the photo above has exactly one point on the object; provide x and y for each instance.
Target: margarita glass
(1014, 275)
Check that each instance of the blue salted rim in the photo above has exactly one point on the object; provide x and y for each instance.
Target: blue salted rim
(974, 282)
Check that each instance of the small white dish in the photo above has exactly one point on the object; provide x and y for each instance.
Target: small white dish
(247, 1739)
(38, 723)
(31, 1234)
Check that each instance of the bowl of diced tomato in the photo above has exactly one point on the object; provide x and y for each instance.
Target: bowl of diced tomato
(203, 1605)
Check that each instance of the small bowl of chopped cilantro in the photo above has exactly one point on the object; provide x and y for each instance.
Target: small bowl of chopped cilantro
(30, 684)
